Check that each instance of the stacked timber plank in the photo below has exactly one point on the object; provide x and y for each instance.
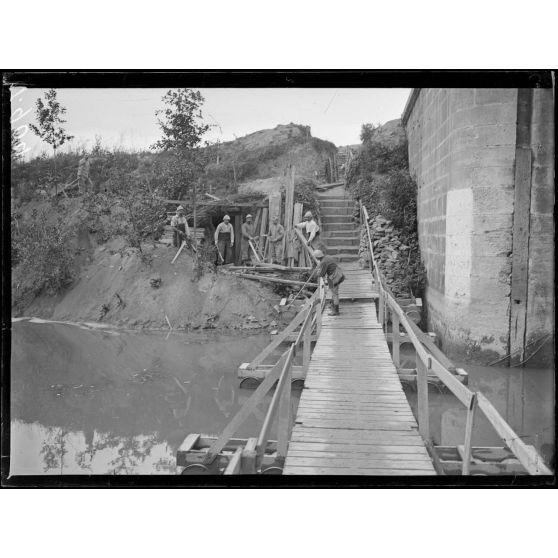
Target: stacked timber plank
(353, 417)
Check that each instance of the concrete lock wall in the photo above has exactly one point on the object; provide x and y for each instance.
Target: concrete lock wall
(462, 153)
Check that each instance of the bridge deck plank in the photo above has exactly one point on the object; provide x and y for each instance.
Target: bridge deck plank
(353, 417)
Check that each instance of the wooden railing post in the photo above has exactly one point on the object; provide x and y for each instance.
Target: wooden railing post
(469, 436)
(284, 421)
(381, 308)
(395, 339)
(422, 398)
(318, 319)
(307, 340)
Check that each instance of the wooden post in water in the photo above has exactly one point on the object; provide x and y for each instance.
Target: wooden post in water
(422, 398)
(466, 470)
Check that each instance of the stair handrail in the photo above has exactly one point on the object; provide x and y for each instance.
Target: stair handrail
(526, 455)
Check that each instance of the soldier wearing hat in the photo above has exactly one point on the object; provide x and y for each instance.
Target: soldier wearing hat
(310, 228)
(179, 225)
(224, 240)
(276, 234)
(248, 234)
(328, 266)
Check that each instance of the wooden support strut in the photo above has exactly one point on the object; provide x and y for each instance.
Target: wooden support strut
(273, 279)
(295, 322)
(466, 470)
(245, 411)
(286, 361)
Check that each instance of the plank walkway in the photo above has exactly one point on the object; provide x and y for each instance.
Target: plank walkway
(353, 417)
(358, 284)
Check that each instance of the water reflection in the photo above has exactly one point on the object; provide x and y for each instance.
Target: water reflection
(99, 402)
(37, 450)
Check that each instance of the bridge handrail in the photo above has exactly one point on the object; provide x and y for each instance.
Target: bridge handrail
(309, 315)
(526, 455)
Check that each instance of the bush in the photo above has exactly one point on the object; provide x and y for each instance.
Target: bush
(305, 193)
(43, 257)
(379, 177)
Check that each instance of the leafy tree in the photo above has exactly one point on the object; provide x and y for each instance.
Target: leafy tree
(182, 128)
(49, 120)
(15, 150)
(367, 132)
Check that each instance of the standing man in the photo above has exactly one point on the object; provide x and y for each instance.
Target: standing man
(248, 232)
(310, 228)
(328, 266)
(180, 228)
(83, 174)
(276, 234)
(224, 240)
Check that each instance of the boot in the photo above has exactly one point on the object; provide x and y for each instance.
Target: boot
(334, 310)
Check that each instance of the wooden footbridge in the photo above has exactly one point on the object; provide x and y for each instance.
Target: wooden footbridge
(353, 417)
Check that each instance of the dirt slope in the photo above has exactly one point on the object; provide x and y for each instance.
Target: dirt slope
(114, 286)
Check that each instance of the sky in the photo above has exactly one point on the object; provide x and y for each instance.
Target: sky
(126, 117)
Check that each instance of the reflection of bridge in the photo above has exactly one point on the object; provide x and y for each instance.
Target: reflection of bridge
(353, 417)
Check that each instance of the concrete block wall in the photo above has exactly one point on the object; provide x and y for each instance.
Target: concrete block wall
(462, 154)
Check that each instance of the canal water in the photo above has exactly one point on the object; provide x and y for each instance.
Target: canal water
(86, 400)
(525, 398)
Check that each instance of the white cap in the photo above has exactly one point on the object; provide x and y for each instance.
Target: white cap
(248, 216)
(179, 208)
(318, 254)
(226, 218)
(308, 214)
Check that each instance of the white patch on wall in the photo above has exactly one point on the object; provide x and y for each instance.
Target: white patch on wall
(459, 230)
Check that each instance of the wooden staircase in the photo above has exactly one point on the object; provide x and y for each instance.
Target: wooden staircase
(339, 230)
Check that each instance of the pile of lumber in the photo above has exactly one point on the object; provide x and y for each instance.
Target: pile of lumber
(294, 254)
(293, 279)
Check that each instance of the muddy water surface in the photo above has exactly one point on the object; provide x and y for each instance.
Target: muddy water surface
(524, 397)
(90, 401)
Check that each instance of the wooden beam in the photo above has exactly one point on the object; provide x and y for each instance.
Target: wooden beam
(306, 247)
(520, 253)
(244, 371)
(273, 279)
(285, 364)
(179, 251)
(233, 468)
(526, 455)
(427, 341)
(284, 422)
(246, 410)
(249, 457)
(295, 322)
